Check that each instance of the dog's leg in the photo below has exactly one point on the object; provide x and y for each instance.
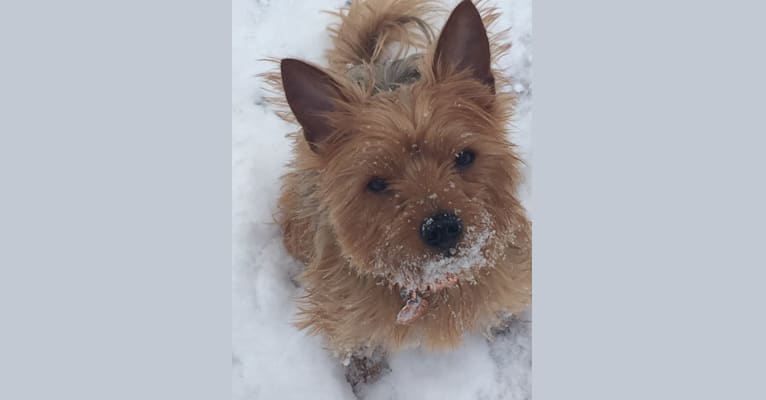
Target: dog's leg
(365, 367)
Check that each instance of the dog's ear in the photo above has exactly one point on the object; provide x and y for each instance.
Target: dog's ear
(311, 94)
(463, 45)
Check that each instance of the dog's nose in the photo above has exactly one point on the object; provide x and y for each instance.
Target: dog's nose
(441, 230)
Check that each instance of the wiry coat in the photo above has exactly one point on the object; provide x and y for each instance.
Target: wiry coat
(398, 111)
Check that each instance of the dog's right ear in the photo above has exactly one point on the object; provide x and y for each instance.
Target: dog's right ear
(311, 94)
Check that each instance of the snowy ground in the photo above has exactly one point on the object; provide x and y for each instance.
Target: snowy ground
(270, 358)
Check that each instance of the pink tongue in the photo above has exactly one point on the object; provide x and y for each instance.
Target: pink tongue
(415, 307)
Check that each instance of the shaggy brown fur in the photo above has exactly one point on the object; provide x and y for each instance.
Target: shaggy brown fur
(398, 104)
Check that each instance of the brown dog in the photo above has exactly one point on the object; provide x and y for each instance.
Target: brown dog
(401, 199)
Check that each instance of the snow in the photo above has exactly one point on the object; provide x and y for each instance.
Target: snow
(271, 359)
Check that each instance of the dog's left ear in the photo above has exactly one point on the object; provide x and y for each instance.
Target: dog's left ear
(463, 45)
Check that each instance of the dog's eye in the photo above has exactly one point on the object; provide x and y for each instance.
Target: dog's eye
(377, 185)
(465, 158)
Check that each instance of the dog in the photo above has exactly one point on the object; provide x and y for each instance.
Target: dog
(402, 198)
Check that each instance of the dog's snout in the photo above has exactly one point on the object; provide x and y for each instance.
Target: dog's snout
(441, 230)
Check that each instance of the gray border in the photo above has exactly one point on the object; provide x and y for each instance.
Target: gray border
(114, 163)
(648, 197)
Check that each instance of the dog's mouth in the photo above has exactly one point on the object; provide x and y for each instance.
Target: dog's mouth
(435, 272)
(448, 270)
(419, 278)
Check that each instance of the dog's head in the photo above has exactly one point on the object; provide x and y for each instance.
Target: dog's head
(419, 182)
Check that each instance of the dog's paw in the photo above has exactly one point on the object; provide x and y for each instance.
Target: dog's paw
(508, 325)
(364, 370)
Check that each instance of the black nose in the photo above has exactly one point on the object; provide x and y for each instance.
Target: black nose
(441, 230)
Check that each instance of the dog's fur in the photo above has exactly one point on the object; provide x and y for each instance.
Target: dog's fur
(396, 103)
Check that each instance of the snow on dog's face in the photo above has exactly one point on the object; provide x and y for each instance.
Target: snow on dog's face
(419, 181)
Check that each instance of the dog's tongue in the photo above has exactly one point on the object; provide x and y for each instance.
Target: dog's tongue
(416, 306)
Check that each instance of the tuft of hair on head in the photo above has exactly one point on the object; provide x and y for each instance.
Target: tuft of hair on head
(367, 28)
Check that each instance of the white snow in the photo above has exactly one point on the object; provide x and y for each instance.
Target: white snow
(271, 359)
